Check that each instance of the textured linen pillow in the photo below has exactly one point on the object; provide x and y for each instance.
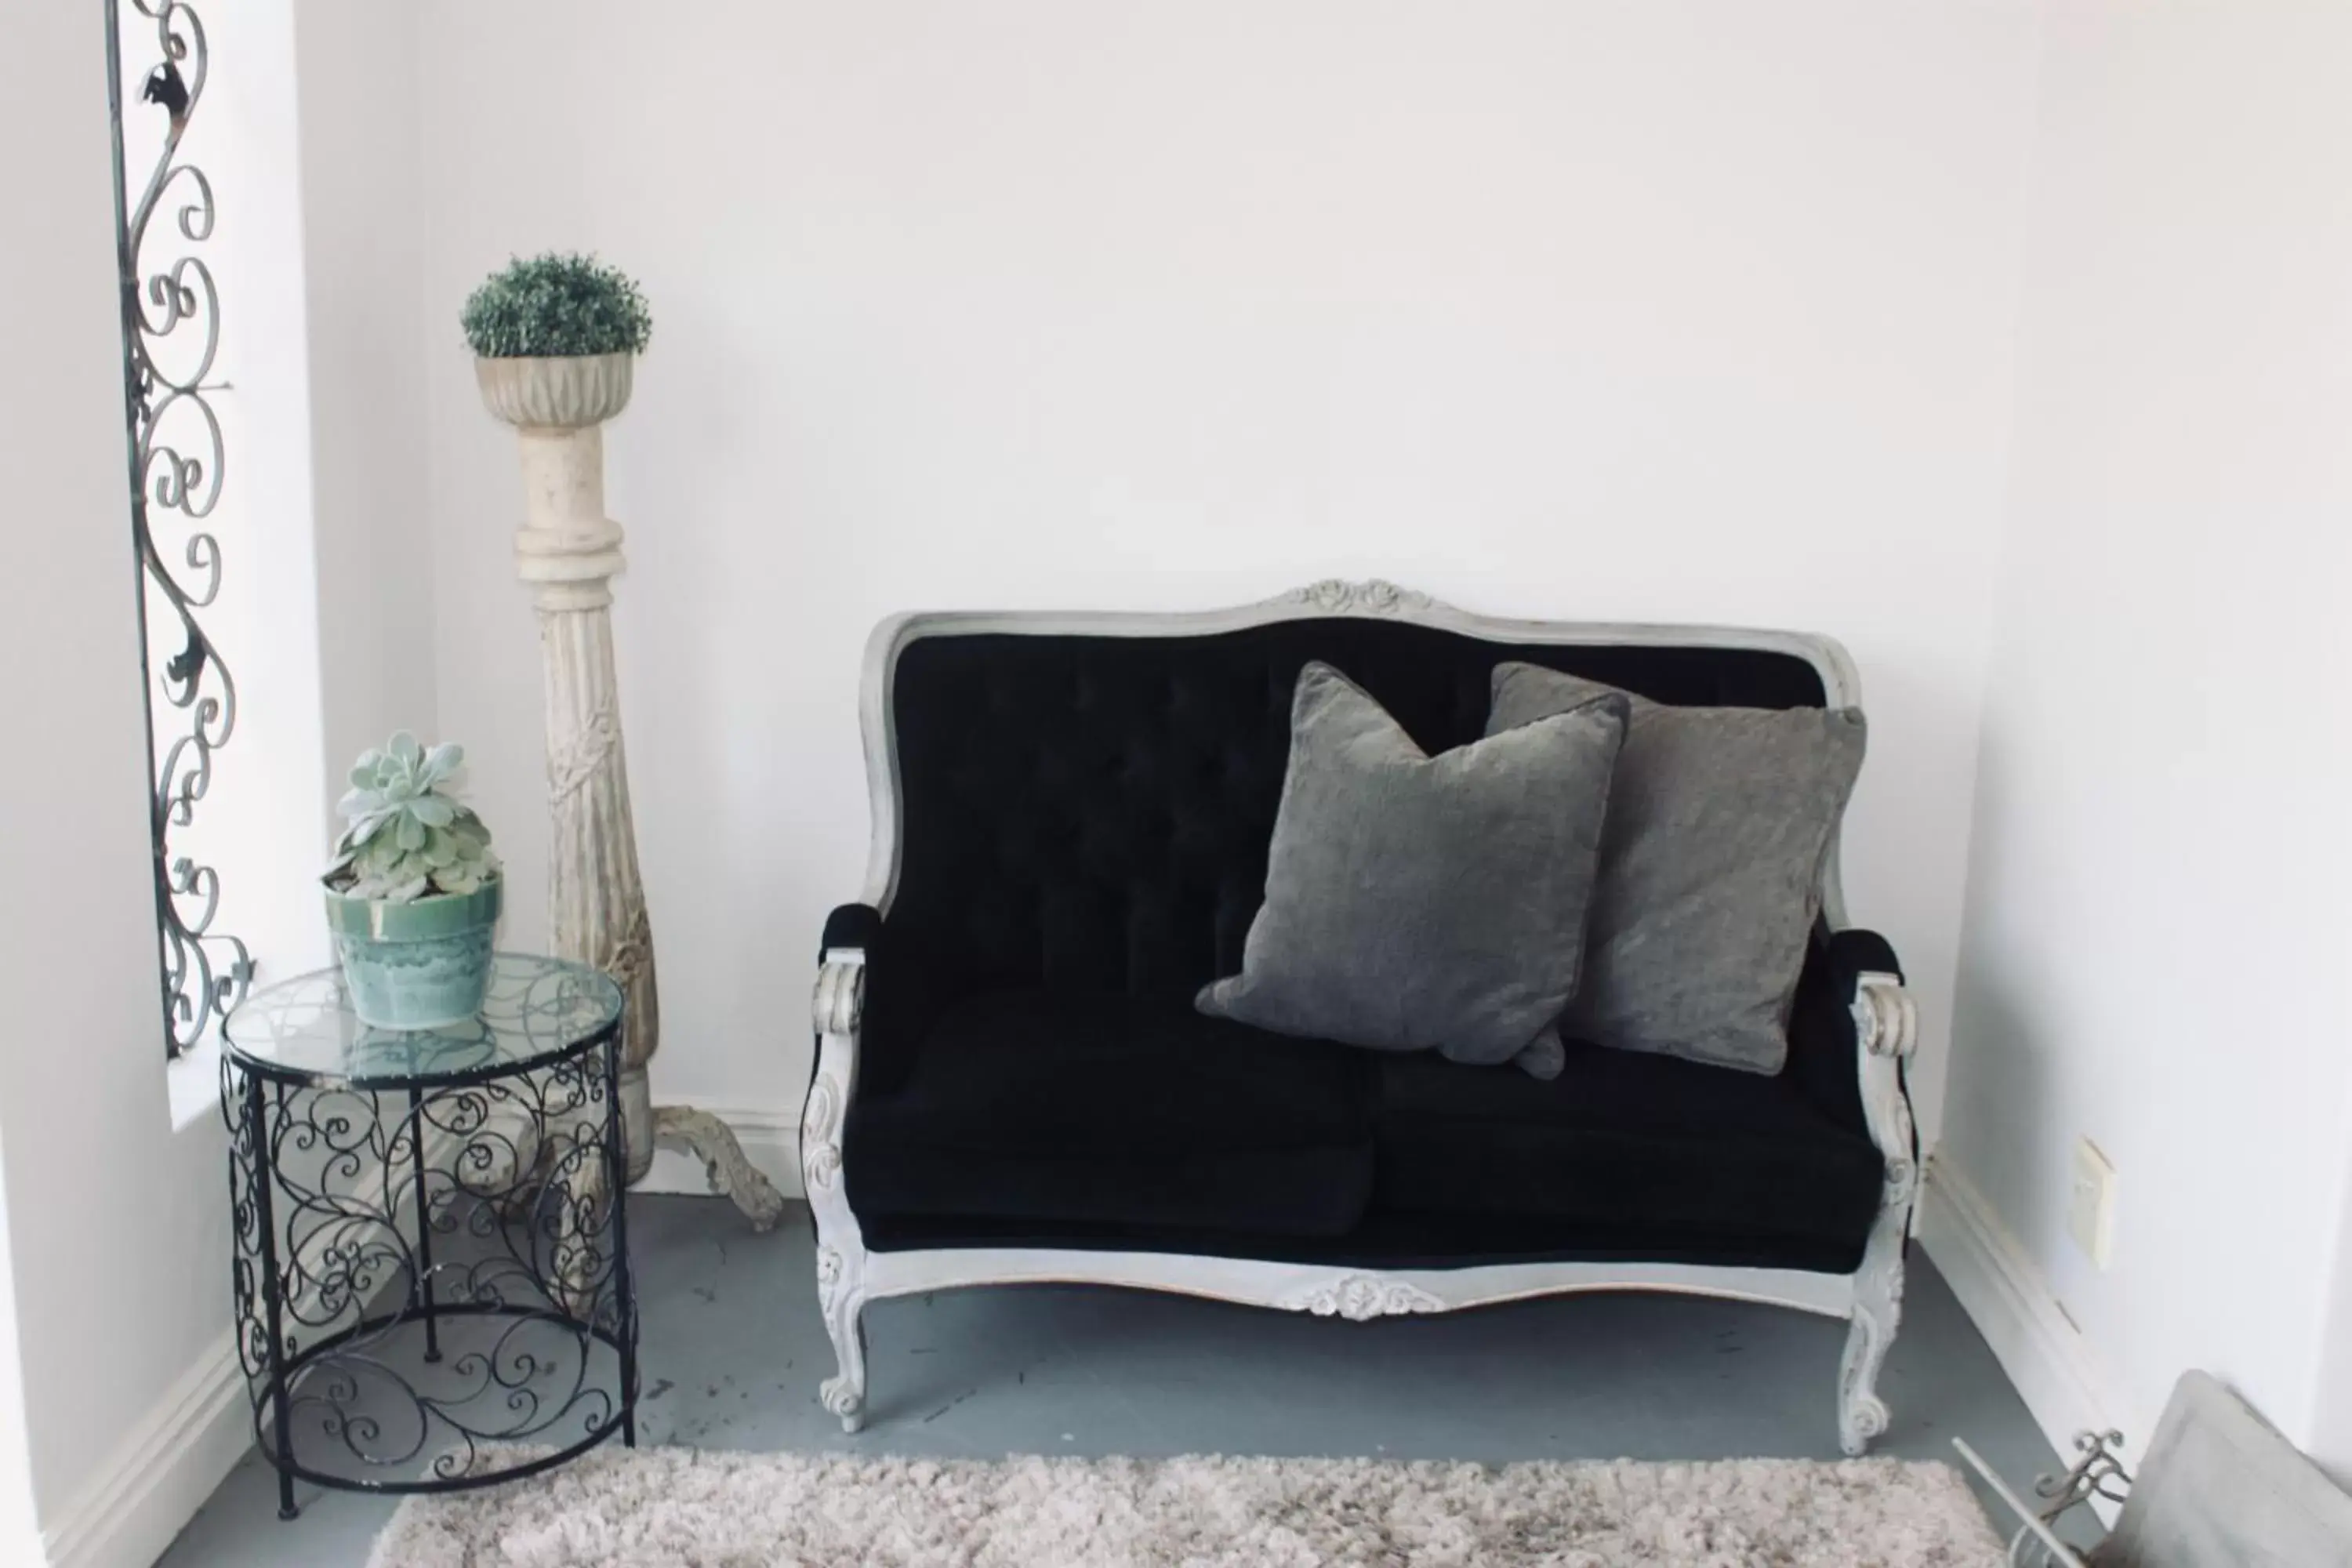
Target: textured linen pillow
(1710, 869)
(1417, 903)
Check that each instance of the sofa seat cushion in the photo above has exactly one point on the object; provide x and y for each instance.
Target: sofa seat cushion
(1650, 1144)
(1095, 1106)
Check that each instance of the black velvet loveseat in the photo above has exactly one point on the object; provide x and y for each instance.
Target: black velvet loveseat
(1072, 817)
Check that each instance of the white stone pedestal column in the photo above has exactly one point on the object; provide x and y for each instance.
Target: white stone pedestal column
(568, 551)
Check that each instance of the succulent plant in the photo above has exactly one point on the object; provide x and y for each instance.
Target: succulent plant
(557, 306)
(408, 837)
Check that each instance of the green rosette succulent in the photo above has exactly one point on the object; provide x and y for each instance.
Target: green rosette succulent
(408, 837)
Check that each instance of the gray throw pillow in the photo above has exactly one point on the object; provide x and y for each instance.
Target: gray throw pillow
(1710, 869)
(1417, 903)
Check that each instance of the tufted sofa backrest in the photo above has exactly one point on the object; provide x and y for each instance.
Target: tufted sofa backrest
(1093, 812)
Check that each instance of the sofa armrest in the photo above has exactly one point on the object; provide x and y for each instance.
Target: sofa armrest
(851, 935)
(893, 1004)
(1850, 1008)
(1854, 952)
(839, 1004)
(851, 925)
(1869, 980)
(1885, 1036)
(1851, 1031)
(837, 1013)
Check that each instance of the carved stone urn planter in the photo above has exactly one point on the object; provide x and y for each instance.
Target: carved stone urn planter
(568, 393)
(568, 552)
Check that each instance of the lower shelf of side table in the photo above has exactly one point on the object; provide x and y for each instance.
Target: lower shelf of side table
(463, 1395)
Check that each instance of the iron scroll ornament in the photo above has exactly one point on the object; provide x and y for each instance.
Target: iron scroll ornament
(176, 453)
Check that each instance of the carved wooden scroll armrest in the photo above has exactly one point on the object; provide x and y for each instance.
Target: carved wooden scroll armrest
(1886, 1019)
(840, 1002)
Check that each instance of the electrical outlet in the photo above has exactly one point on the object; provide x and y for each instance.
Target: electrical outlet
(2091, 1209)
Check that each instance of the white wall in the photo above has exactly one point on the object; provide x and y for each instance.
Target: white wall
(363, 211)
(2157, 923)
(2331, 1418)
(20, 1535)
(117, 1229)
(1696, 311)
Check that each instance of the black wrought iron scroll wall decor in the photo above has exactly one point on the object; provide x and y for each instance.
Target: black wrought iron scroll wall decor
(171, 339)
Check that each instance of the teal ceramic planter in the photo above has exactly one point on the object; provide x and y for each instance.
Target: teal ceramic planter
(420, 965)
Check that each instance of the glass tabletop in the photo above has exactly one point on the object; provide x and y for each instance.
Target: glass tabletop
(540, 1010)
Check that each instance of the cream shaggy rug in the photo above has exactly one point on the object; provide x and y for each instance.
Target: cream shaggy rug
(679, 1508)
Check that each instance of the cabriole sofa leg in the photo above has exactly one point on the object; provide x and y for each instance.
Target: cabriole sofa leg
(1877, 1309)
(845, 1322)
(840, 1244)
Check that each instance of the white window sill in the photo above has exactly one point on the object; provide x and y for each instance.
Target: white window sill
(195, 1079)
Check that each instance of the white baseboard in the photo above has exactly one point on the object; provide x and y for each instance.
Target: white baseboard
(161, 1473)
(2004, 1292)
(771, 1139)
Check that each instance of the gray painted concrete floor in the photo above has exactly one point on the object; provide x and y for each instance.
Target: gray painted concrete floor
(733, 1351)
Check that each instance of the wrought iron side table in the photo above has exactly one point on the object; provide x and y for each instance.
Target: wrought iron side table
(431, 1233)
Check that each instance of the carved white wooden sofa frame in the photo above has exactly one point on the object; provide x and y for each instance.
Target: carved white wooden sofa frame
(849, 1276)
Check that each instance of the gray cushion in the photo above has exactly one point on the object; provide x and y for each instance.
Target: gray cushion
(1710, 869)
(1417, 903)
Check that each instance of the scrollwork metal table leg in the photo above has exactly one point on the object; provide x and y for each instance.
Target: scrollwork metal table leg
(420, 1295)
(281, 1418)
(616, 1164)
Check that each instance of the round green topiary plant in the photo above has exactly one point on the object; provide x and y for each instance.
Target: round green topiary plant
(557, 306)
